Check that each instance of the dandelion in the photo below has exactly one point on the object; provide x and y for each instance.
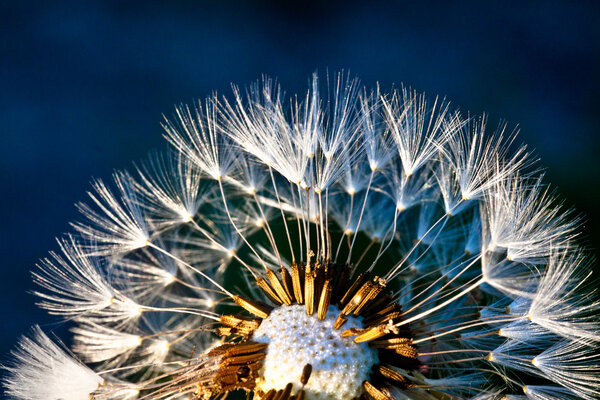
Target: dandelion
(354, 245)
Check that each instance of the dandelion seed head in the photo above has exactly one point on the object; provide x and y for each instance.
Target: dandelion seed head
(43, 368)
(341, 244)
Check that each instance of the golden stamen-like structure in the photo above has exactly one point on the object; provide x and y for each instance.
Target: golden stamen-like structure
(316, 285)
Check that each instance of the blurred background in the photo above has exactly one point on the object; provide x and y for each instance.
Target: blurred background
(83, 86)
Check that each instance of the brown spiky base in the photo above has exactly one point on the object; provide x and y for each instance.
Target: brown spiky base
(316, 286)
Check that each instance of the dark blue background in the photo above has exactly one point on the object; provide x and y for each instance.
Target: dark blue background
(83, 86)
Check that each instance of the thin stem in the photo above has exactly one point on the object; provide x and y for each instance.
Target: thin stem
(392, 274)
(297, 222)
(460, 328)
(225, 249)
(287, 232)
(267, 229)
(444, 304)
(345, 227)
(235, 226)
(442, 288)
(362, 210)
(208, 278)
(382, 250)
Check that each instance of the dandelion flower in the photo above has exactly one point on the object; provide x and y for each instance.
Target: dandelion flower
(345, 244)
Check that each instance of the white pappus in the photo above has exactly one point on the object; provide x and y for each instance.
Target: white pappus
(343, 244)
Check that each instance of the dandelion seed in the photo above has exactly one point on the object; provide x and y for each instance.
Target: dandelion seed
(118, 225)
(96, 343)
(75, 285)
(42, 370)
(195, 133)
(346, 244)
(172, 190)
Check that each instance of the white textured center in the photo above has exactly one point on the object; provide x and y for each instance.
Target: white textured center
(339, 366)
